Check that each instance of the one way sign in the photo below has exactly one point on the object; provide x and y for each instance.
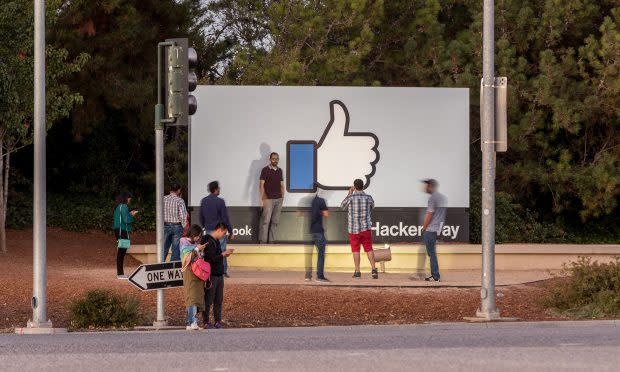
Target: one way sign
(158, 276)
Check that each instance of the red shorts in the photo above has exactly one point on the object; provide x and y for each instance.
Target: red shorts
(364, 238)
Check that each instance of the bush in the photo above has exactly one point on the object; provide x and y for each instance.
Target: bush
(102, 308)
(77, 213)
(590, 290)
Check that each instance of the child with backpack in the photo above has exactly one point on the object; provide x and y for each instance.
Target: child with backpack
(193, 286)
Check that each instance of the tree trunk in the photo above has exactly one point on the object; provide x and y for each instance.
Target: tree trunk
(3, 197)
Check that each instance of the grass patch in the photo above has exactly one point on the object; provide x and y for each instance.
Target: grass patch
(104, 309)
(589, 290)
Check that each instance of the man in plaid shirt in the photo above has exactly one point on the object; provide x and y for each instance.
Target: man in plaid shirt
(359, 204)
(175, 217)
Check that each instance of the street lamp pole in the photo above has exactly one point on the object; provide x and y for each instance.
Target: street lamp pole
(39, 295)
(488, 307)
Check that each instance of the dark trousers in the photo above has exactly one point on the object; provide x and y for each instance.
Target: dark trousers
(214, 296)
(120, 253)
(320, 242)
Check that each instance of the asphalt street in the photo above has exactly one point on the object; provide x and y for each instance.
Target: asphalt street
(536, 346)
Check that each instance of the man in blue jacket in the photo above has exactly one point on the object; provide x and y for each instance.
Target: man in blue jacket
(212, 212)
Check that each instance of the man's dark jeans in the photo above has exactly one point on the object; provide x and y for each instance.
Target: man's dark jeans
(430, 240)
(214, 296)
(172, 238)
(320, 242)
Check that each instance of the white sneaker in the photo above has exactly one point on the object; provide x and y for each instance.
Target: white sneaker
(193, 327)
(124, 277)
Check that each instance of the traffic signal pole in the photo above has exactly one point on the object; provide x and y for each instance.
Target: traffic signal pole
(160, 320)
(488, 309)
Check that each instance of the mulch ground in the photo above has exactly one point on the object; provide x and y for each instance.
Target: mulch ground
(79, 262)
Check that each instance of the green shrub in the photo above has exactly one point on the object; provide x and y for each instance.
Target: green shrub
(102, 308)
(590, 290)
(77, 213)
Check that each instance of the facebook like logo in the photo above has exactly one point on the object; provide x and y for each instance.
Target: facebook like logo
(336, 160)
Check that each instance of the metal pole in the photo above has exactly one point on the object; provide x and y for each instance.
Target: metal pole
(159, 189)
(488, 308)
(39, 285)
(160, 321)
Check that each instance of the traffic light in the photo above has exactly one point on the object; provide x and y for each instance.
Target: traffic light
(180, 79)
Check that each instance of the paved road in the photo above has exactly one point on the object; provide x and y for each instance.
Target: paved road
(567, 346)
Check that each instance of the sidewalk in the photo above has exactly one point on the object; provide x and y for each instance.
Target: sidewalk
(452, 278)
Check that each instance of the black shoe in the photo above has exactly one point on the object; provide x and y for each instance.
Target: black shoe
(322, 280)
(357, 275)
(432, 279)
(375, 274)
(226, 275)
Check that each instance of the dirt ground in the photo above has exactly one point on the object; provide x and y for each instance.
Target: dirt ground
(78, 262)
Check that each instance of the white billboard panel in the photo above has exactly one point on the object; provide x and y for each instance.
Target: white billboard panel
(328, 136)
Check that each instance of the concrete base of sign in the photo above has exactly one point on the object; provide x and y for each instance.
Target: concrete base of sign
(39, 329)
(406, 258)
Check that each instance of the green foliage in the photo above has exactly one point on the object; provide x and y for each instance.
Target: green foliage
(107, 145)
(17, 74)
(514, 224)
(297, 42)
(559, 180)
(591, 290)
(560, 57)
(103, 309)
(79, 213)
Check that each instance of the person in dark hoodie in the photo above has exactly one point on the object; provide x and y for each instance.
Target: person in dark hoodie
(214, 295)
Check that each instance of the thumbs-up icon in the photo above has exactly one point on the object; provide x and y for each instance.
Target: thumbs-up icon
(339, 157)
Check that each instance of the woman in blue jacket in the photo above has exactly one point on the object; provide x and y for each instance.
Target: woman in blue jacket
(123, 218)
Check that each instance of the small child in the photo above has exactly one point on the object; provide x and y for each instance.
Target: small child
(192, 285)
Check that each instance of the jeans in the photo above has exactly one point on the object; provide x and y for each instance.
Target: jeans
(172, 237)
(191, 315)
(223, 243)
(430, 240)
(214, 296)
(320, 242)
(271, 218)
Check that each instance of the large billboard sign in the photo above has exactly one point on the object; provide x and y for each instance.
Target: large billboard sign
(391, 138)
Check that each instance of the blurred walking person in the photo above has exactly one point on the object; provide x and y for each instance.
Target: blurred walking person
(434, 218)
(318, 210)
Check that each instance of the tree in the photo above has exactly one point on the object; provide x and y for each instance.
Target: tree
(562, 59)
(110, 137)
(16, 87)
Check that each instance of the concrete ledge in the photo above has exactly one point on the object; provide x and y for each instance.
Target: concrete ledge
(407, 257)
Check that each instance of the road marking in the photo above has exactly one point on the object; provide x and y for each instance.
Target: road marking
(574, 344)
(272, 360)
(220, 369)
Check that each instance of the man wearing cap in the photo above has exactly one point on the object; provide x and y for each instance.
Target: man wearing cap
(434, 218)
